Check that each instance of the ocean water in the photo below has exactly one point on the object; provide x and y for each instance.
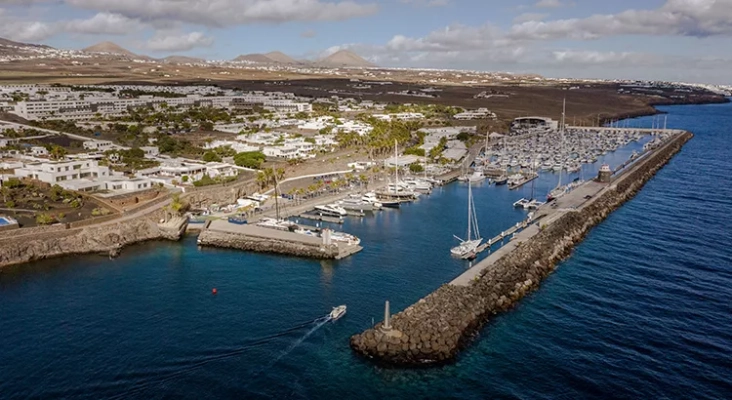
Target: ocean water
(641, 310)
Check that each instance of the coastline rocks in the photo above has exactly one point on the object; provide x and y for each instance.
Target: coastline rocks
(105, 239)
(433, 330)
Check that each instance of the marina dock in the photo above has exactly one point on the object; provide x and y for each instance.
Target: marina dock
(251, 237)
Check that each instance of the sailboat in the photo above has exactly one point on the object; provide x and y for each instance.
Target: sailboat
(393, 202)
(559, 191)
(468, 246)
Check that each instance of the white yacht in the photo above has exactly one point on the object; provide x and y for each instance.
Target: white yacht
(358, 204)
(521, 203)
(332, 209)
(476, 176)
(337, 312)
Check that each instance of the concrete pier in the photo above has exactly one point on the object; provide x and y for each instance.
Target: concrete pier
(435, 328)
(256, 238)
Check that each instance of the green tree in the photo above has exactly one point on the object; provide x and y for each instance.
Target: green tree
(416, 168)
(249, 159)
(210, 156)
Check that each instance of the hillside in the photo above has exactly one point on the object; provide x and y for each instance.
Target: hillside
(109, 48)
(183, 60)
(280, 57)
(345, 58)
(256, 58)
(11, 48)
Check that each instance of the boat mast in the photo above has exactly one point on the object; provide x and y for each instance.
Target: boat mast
(561, 141)
(470, 210)
(396, 167)
(277, 196)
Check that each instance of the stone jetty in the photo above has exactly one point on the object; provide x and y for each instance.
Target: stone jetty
(434, 329)
(251, 237)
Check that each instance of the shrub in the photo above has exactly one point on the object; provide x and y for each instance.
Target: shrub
(44, 219)
(415, 151)
(184, 178)
(10, 204)
(76, 203)
(12, 183)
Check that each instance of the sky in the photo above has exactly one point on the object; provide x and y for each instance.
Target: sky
(676, 40)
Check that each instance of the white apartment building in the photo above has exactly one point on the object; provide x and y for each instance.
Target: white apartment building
(108, 106)
(480, 113)
(287, 105)
(80, 175)
(239, 147)
(98, 145)
(286, 152)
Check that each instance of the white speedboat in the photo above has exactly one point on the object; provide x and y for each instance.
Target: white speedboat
(345, 238)
(337, 312)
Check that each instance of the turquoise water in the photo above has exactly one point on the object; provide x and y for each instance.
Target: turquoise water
(641, 309)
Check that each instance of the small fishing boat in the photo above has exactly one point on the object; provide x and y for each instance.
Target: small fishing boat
(337, 312)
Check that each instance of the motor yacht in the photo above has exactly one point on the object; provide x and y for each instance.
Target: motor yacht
(337, 312)
(331, 209)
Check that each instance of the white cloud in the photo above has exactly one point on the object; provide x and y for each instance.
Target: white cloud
(427, 3)
(698, 18)
(25, 31)
(231, 12)
(526, 17)
(102, 23)
(606, 59)
(178, 42)
(548, 4)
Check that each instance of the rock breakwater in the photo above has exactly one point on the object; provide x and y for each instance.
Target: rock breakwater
(434, 329)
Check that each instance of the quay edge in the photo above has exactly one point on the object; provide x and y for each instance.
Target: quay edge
(433, 330)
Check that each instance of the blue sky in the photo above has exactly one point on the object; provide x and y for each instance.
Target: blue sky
(686, 40)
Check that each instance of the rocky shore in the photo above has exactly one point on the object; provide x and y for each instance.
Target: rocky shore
(434, 329)
(107, 239)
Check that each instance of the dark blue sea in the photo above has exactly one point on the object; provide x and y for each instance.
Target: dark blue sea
(641, 310)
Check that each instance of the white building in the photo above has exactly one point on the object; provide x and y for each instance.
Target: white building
(80, 175)
(239, 147)
(39, 151)
(150, 151)
(481, 113)
(98, 145)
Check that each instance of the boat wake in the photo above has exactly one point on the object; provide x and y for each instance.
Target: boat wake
(143, 380)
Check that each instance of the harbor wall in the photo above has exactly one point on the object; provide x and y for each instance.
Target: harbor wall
(209, 237)
(433, 330)
(107, 238)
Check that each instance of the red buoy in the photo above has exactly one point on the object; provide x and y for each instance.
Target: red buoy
(213, 290)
